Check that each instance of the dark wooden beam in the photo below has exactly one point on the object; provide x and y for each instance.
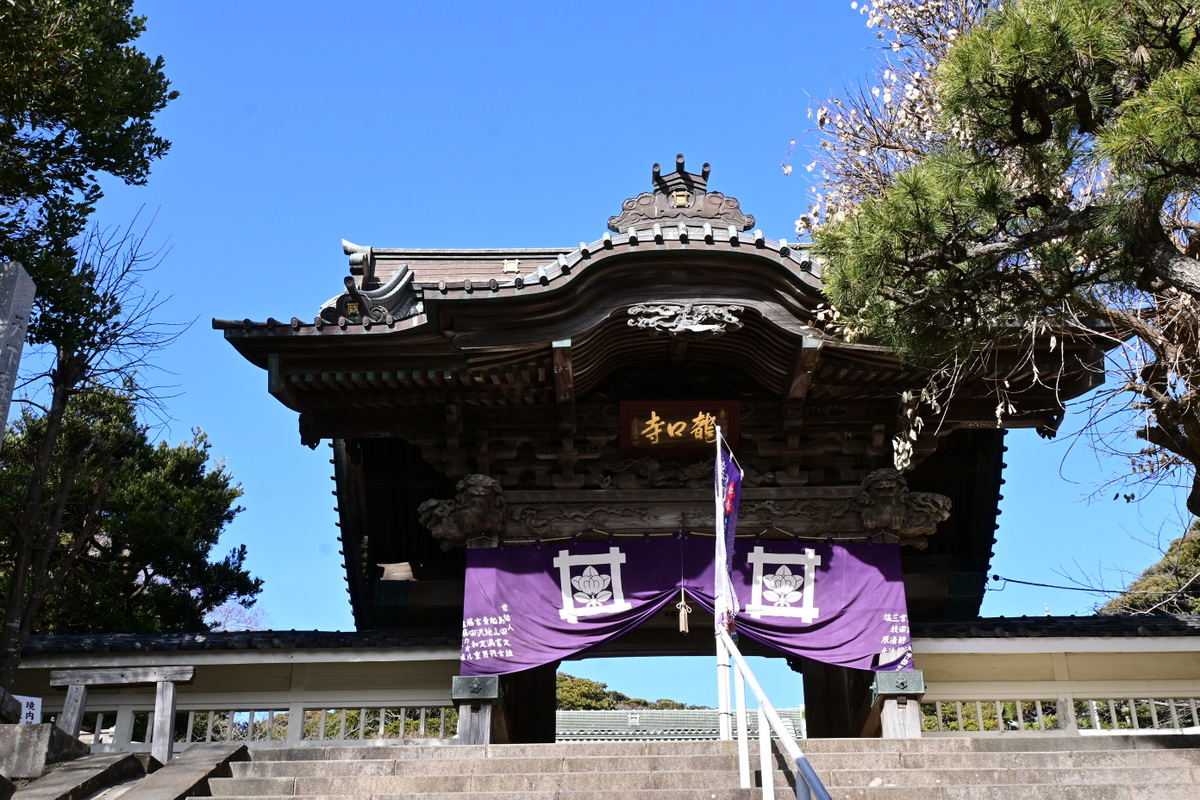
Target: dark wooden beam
(564, 386)
(277, 382)
(803, 367)
(564, 393)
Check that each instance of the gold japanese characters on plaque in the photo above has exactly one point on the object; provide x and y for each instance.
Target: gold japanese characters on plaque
(676, 428)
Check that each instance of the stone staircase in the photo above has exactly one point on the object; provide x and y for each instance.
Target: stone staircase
(1044, 768)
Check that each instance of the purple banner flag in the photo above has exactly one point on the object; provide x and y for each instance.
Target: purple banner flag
(728, 495)
(840, 604)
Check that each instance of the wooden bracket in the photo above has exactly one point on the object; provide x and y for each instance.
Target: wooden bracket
(456, 460)
(804, 365)
(564, 395)
(564, 386)
(277, 383)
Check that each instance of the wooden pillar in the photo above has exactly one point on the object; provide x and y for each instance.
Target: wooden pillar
(836, 700)
(475, 723)
(123, 729)
(900, 718)
(529, 704)
(475, 696)
(162, 743)
(896, 705)
(71, 718)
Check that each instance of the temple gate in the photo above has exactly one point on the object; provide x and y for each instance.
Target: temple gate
(530, 397)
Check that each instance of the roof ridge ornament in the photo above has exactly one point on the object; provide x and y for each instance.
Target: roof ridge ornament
(680, 195)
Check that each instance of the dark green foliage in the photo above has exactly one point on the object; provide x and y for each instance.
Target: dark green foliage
(143, 519)
(581, 694)
(76, 102)
(1049, 188)
(1169, 586)
(1001, 716)
(1067, 129)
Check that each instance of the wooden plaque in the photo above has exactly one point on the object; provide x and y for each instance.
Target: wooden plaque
(677, 429)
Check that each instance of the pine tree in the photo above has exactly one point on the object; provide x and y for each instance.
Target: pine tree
(1019, 173)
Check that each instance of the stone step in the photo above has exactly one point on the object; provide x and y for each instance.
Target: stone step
(723, 762)
(1005, 742)
(1005, 792)
(495, 782)
(644, 794)
(426, 751)
(1050, 768)
(1010, 743)
(994, 777)
(572, 763)
(1092, 759)
(928, 780)
(1010, 791)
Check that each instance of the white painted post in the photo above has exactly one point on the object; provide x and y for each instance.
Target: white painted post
(162, 743)
(1067, 721)
(724, 716)
(724, 721)
(764, 756)
(739, 685)
(295, 724)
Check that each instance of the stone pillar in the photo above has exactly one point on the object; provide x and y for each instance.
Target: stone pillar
(16, 298)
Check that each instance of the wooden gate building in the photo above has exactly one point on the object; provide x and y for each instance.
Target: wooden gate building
(546, 393)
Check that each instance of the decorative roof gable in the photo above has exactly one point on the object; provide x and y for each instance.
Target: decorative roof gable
(680, 196)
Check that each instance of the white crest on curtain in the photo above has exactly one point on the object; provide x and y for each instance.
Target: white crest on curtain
(597, 589)
(778, 590)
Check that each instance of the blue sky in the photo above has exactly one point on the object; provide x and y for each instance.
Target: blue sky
(472, 124)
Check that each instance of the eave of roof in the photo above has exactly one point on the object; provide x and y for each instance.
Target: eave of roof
(1063, 626)
(401, 298)
(108, 643)
(1148, 626)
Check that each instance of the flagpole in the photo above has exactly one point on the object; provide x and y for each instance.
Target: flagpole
(724, 714)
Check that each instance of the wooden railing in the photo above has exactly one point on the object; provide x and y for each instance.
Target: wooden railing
(1087, 716)
(129, 729)
(164, 679)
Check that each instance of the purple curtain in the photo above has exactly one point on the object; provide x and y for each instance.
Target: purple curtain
(840, 604)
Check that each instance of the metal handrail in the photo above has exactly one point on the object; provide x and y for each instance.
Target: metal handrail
(808, 784)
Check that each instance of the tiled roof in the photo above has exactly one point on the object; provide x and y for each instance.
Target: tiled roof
(391, 289)
(238, 640)
(1018, 627)
(454, 266)
(988, 628)
(655, 724)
